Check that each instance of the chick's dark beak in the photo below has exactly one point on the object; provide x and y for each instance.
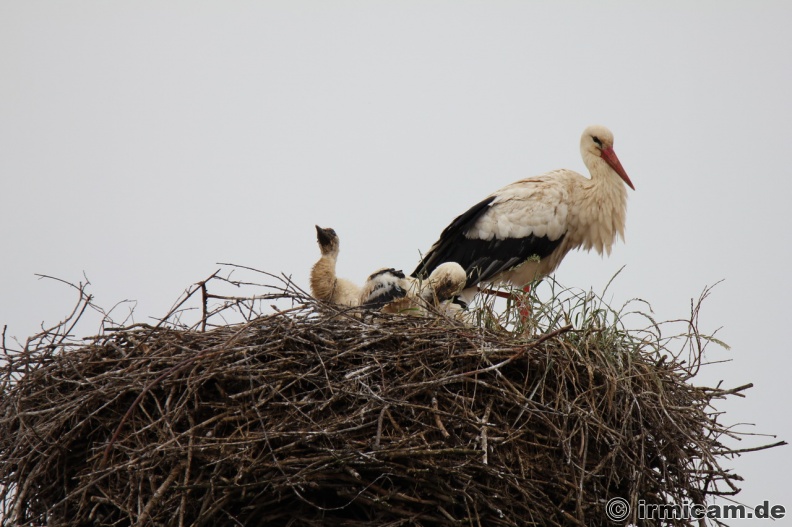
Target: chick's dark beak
(324, 236)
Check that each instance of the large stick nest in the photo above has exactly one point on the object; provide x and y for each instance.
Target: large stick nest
(314, 416)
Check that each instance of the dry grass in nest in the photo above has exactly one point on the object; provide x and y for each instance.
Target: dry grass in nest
(316, 416)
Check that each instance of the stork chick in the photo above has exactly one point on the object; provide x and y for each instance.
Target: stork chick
(325, 285)
(391, 291)
(386, 288)
(522, 232)
(446, 281)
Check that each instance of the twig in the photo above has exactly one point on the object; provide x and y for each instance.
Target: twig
(438, 421)
(484, 424)
(755, 449)
(144, 516)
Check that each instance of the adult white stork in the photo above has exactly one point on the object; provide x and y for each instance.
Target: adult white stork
(522, 231)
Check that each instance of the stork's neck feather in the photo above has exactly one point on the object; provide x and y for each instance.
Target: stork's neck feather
(602, 207)
(323, 277)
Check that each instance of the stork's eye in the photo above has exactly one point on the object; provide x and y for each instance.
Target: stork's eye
(597, 140)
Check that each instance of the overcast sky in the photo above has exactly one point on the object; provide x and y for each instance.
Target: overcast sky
(143, 142)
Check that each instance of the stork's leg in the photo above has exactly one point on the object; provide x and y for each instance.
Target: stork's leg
(520, 301)
(525, 306)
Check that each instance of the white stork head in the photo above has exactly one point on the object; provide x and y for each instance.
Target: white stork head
(328, 241)
(597, 143)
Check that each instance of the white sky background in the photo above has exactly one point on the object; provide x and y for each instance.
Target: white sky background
(143, 142)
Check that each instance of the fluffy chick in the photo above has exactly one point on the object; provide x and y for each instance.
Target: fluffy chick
(388, 289)
(325, 285)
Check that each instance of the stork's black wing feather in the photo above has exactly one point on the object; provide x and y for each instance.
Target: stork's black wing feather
(440, 251)
(482, 259)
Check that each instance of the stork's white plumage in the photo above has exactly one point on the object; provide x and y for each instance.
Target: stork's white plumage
(325, 285)
(522, 231)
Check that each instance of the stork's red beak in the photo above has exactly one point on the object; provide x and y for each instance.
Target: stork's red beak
(610, 157)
